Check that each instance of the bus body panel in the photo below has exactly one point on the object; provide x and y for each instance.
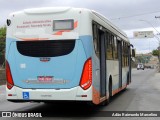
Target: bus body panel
(66, 70)
(72, 94)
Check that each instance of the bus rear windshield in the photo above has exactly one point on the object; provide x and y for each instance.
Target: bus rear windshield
(46, 48)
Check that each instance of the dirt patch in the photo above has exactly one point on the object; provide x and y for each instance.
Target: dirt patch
(2, 77)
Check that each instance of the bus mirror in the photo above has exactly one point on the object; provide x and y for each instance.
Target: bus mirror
(133, 53)
(8, 22)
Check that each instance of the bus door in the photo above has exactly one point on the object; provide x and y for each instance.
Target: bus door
(102, 49)
(120, 61)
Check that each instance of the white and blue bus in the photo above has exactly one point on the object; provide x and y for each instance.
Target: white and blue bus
(65, 54)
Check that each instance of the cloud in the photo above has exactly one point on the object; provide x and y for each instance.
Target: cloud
(109, 8)
(123, 13)
(9, 6)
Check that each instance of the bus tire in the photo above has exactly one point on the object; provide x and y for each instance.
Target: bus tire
(128, 78)
(110, 90)
(107, 101)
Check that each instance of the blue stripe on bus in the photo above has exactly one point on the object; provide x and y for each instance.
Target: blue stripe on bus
(87, 41)
(68, 67)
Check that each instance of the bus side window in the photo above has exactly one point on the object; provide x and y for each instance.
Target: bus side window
(109, 39)
(127, 55)
(115, 48)
(95, 39)
(123, 56)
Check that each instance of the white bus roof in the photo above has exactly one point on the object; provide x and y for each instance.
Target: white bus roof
(108, 22)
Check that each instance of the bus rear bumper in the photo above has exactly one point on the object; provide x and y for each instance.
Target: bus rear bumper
(25, 95)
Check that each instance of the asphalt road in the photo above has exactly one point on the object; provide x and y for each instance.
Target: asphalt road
(141, 95)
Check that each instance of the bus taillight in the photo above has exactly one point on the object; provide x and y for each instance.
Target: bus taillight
(86, 78)
(10, 82)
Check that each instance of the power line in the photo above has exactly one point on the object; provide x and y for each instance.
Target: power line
(135, 15)
(151, 25)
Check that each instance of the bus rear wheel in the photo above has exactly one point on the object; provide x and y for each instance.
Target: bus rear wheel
(107, 101)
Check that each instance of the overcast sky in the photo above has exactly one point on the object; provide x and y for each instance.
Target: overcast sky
(126, 14)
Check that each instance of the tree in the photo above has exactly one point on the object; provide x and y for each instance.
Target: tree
(155, 52)
(2, 33)
(2, 44)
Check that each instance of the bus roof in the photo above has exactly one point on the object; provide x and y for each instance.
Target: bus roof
(109, 23)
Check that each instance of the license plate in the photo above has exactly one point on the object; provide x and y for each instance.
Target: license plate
(45, 78)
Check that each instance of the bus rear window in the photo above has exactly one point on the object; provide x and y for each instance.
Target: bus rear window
(47, 48)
